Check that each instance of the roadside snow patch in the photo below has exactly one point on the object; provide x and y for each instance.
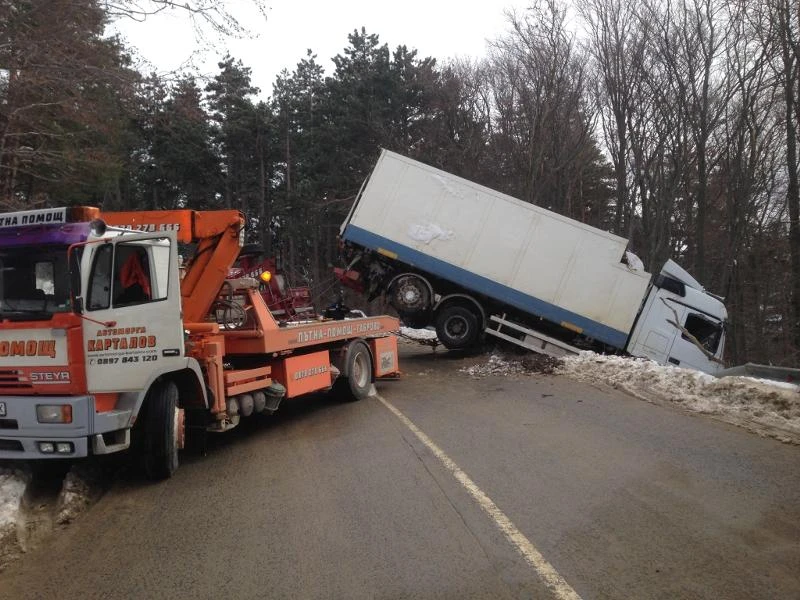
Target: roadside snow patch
(418, 334)
(12, 488)
(82, 487)
(74, 497)
(767, 408)
(13, 484)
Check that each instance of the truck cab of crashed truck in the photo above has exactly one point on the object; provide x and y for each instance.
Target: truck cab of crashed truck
(100, 328)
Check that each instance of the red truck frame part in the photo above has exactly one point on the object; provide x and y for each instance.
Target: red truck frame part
(102, 328)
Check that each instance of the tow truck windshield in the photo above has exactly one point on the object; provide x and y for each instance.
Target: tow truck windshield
(34, 282)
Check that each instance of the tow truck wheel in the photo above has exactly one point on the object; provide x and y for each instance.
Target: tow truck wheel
(358, 366)
(164, 428)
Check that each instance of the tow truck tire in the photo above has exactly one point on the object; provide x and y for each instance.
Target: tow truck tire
(358, 366)
(457, 327)
(162, 424)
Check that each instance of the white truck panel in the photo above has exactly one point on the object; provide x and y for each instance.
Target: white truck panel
(533, 254)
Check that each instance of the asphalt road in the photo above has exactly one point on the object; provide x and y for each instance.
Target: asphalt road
(469, 489)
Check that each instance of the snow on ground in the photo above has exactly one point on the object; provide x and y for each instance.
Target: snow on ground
(24, 524)
(12, 487)
(79, 490)
(766, 407)
(418, 334)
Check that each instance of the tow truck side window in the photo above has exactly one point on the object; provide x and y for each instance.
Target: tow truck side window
(134, 279)
(99, 296)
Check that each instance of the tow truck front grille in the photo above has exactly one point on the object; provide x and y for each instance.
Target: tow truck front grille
(11, 379)
(11, 445)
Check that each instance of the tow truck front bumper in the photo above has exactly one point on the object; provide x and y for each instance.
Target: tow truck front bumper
(23, 437)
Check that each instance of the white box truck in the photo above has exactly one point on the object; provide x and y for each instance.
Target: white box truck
(466, 259)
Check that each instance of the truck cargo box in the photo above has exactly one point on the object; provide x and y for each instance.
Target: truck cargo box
(522, 255)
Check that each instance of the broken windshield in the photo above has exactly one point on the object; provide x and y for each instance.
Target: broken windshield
(34, 282)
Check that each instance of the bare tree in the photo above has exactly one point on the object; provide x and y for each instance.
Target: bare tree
(205, 15)
(616, 42)
(543, 123)
(785, 39)
(689, 41)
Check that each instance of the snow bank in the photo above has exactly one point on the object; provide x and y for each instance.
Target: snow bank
(77, 492)
(13, 483)
(767, 408)
(12, 488)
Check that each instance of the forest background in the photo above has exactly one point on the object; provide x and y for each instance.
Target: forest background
(673, 123)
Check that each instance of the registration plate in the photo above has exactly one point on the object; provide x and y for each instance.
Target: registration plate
(2, 409)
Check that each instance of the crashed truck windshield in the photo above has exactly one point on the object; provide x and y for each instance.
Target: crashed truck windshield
(34, 282)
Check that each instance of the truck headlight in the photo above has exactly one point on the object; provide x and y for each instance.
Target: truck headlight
(47, 447)
(54, 413)
(64, 447)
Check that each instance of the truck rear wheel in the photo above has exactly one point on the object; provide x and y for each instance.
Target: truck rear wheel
(358, 366)
(456, 327)
(164, 429)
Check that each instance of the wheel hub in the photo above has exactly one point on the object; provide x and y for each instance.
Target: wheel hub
(456, 327)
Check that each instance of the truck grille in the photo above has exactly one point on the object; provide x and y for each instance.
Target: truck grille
(11, 445)
(11, 379)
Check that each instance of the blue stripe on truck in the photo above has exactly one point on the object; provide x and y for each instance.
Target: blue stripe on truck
(487, 287)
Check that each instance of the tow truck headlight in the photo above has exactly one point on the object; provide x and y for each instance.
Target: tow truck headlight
(47, 447)
(64, 447)
(54, 413)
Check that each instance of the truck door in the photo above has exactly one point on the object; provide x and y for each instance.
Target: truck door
(653, 335)
(133, 307)
(708, 331)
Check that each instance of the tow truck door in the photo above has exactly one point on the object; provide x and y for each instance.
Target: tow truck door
(132, 305)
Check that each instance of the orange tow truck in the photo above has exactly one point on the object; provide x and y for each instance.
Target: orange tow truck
(102, 327)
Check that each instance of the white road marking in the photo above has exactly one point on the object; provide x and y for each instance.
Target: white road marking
(546, 571)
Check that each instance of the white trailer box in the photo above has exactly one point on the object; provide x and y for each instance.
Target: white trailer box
(523, 255)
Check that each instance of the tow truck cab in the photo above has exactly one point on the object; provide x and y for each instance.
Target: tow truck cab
(78, 301)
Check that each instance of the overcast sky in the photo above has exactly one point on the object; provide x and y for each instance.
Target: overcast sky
(438, 28)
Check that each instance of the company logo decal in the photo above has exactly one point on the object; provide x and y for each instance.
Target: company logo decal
(152, 227)
(33, 217)
(49, 377)
(125, 338)
(310, 372)
(28, 348)
(323, 333)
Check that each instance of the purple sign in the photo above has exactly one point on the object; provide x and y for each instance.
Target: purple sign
(39, 235)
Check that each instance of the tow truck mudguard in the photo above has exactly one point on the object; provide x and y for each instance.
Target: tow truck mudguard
(22, 436)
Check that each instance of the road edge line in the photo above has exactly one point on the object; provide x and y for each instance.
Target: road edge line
(552, 578)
